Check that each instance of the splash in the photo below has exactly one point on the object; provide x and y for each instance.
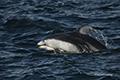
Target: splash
(99, 35)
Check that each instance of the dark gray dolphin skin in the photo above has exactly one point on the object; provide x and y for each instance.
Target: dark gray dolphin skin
(77, 41)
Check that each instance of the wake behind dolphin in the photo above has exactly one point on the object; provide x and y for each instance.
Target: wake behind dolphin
(77, 41)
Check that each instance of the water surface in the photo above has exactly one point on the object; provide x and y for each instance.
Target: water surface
(24, 23)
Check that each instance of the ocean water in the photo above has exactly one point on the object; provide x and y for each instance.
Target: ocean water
(23, 23)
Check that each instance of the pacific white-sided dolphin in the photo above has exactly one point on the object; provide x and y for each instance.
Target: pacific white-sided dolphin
(77, 41)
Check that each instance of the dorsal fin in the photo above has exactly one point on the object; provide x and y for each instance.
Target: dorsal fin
(84, 29)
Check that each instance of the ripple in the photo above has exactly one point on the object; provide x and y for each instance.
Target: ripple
(24, 23)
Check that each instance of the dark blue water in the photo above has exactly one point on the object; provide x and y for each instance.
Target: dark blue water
(23, 23)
